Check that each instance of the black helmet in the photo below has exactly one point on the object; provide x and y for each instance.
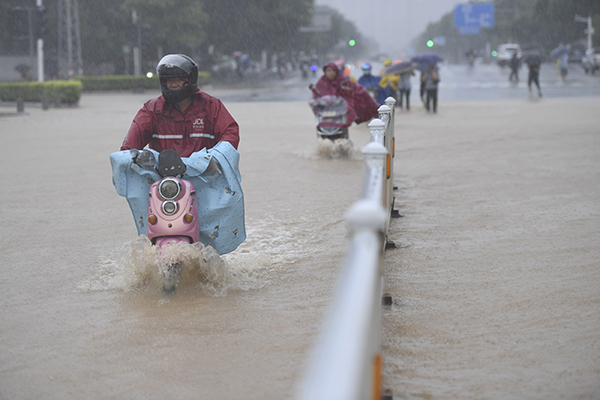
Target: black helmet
(177, 66)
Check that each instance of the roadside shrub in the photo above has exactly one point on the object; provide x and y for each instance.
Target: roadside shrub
(69, 91)
(128, 82)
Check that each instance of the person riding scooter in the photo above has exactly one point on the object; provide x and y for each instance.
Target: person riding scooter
(183, 118)
(203, 133)
(371, 83)
(361, 106)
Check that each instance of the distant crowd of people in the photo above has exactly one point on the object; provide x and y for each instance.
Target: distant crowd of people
(396, 83)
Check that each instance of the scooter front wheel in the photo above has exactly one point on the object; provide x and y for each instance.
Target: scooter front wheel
(339, 133)
(171, 278)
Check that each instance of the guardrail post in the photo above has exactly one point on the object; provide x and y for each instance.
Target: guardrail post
(390, 102)
(375, 187)
(388, 114)
(377, 131)
(384, 113)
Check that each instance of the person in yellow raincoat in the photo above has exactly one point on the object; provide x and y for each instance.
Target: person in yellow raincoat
(386, 64)
(389, 83)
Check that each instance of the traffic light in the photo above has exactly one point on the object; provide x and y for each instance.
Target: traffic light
(430, 43)
(352, 42)
(40, 21)
(146, 32)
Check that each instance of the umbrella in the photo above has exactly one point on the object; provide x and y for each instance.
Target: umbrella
(559, 52)
(426, 59)
(340, 63)
(398, 68)
(531, 58)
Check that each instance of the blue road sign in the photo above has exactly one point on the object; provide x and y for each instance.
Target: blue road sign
(478, 15)
(468, 30)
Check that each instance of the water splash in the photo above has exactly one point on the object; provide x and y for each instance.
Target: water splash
(138, 264)
(339, 148)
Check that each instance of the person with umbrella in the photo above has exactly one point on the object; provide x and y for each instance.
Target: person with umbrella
(398, 75)
(422, 63)
(431, 78)
(533, 63)
(562, 53)
(514, 63)
(405, 86)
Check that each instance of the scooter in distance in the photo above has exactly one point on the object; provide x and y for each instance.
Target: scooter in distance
(331, 113)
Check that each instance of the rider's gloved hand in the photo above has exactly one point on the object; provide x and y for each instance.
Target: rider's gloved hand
(144, 159)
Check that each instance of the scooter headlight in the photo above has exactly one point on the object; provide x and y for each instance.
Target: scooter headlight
(169, 207)
(169, 188)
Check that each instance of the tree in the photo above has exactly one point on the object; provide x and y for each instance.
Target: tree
(254, 26)
(337, 39)
(175, 25)
(544, 23)
(108, 32)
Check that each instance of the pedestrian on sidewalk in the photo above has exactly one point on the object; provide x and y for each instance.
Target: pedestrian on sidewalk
(534, 65)
(405, 86)
(564, 66)
(431, 78)
(514, 66)
(422, 87)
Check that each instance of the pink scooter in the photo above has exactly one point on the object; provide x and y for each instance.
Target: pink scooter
(172, 212)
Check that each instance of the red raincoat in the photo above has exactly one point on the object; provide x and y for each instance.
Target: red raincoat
(361, 106)
(203, 124)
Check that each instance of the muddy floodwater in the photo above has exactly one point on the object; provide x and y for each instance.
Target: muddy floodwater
(495, 281)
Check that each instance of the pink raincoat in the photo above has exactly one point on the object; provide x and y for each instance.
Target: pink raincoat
(361, 106)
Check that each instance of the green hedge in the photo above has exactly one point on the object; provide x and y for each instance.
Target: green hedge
(69, 91)
(128, 82)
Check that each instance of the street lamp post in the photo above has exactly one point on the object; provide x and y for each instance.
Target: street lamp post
(40, 49)
(589, 30)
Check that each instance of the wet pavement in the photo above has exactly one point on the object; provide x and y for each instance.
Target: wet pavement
(495, 283)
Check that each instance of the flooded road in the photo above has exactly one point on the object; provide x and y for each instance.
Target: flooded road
(79, 317)
(496, 284)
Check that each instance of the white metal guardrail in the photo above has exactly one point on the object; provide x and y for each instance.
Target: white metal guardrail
(346, 363)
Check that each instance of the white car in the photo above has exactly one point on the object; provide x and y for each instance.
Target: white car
(591, 60)
(505, 53)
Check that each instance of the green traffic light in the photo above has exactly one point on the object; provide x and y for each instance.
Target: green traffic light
(352, 42)
(494, 53)
(430, 43)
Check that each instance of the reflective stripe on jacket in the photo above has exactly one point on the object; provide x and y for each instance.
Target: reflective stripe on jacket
(205, 123)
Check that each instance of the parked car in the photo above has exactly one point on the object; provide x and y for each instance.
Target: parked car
(576, 53)
(505, 53)
(591, 60)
